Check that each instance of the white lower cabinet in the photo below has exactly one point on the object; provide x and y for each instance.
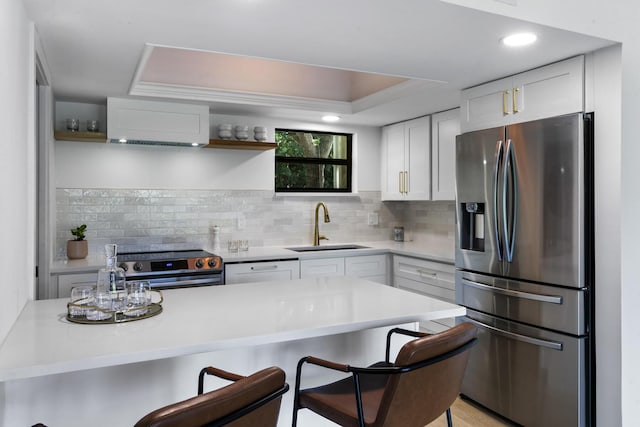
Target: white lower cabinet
(321, 267)
(430, 278)
(261, 271)
(370, 267)
(68, 281)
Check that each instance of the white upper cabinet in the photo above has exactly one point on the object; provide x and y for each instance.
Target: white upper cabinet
(406, 160)
(167, 123)
(547, 91)
(445, 127)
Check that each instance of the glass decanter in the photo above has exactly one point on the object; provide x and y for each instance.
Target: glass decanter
(111, 278)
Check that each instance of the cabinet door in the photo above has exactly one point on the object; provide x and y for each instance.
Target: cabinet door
(486, 106)
(393, 159)
(261, 271)
(321, 267)
(371, 267)
(549, 91)
(68, 281)
(418, 159)
(444, 128)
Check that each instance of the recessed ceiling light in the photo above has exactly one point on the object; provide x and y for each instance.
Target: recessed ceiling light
(330, 118)
(520, 39)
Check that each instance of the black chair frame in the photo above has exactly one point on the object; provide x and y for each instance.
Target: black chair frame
(245, 410)
(387, 370)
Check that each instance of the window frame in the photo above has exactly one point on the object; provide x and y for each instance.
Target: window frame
(348, 162)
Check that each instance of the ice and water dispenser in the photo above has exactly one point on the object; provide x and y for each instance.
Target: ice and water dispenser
(472, 226)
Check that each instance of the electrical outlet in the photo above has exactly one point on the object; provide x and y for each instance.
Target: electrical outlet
(241, 222)
(372, 218)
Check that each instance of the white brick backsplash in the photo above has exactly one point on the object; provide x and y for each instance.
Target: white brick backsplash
(144, 219)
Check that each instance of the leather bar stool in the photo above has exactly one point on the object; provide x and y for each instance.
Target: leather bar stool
(414, 390)
(253, 400)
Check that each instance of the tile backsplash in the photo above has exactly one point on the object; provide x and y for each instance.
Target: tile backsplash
(144, 219)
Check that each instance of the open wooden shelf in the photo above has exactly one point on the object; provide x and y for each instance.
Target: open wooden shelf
(60, 135)
(241, 145)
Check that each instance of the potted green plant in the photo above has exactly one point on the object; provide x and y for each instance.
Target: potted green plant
(78, 247)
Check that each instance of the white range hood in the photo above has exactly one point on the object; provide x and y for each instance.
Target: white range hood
(131, 121)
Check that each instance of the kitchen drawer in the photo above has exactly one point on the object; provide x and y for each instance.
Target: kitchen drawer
(68, 281)
(434, 279)
(322, 267)
(261, 271)
(427, 289)
(429, 272)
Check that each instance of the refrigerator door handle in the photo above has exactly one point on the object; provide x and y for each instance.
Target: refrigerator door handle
(553, 299)
(496, 183)
(509, 216)
(553, 345)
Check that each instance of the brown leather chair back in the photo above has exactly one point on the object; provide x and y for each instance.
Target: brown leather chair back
(422, 395)
(214, 405)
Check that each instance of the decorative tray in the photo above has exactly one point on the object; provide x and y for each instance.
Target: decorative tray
(113, 316)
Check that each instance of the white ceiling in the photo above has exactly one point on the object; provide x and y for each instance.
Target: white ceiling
(93, 48)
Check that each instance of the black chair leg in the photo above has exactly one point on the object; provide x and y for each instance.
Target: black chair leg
(296, 392)
(449, 421)
(294, 419)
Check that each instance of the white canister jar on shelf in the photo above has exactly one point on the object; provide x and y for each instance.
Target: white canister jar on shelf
(224, 131)
(242, 132)
(260, 133)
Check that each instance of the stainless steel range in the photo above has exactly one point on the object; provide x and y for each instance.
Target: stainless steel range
(173, 269)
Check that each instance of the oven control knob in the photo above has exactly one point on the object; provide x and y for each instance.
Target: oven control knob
(123, 266)
(137, 266)
(199, 263)
(212, 263)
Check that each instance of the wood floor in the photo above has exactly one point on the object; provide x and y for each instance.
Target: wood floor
(466, 414)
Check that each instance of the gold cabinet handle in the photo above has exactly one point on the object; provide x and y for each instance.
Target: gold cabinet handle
(406, 182)
(515, 100)
(400, 182)
(505, 108)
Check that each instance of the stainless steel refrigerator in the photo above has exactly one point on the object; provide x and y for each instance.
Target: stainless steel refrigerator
(524, 268)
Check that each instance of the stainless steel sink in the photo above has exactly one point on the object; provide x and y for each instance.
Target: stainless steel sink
(326, 248)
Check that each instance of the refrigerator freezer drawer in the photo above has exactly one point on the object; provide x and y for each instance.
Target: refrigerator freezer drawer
(531, 376)
(551, 307)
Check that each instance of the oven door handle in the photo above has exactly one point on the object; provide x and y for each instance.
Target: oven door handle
(518, 337)
(553, 299)
(174, 282)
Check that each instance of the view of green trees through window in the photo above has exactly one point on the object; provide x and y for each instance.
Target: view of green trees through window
(313, 161)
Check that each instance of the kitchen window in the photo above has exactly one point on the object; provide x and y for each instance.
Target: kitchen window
(313, 162)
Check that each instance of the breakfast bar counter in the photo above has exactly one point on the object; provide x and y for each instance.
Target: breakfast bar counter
(48, 363)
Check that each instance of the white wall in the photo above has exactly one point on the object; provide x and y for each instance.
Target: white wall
(96, 165)
(603, 97)
(17, 164)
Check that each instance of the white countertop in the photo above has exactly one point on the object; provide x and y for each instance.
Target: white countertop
(440, 250)
(196, 320)
(435, 249)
